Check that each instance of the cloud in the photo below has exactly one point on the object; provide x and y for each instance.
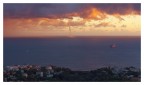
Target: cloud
(118, 17)
(54, 11)
(52, 18)
(44, 23)
(105, 24)
(123, 26)
(119, 8)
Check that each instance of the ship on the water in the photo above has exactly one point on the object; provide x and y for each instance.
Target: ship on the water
(113, 46)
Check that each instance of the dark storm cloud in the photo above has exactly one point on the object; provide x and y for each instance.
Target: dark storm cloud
(38, 10)
(65, 10)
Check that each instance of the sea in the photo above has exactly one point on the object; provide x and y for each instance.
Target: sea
(76, 53)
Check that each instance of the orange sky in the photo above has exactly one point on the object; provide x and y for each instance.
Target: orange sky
(75, 20)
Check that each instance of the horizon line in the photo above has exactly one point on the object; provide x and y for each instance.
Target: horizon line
(68, 36)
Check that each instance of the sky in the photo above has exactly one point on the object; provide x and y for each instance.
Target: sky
(71, 19)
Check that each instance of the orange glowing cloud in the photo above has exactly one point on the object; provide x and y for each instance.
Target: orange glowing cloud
(94, 13)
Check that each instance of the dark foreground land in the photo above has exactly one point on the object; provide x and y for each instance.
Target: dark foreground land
(36, 73)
